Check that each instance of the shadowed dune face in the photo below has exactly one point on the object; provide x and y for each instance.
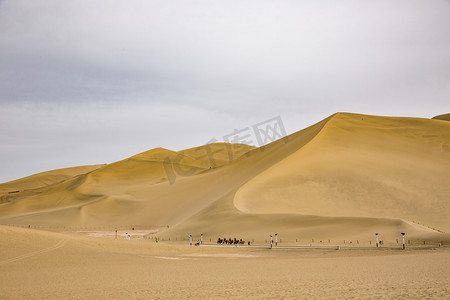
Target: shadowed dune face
(350, 172)
(445, 117)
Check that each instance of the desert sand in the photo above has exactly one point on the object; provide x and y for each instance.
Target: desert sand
(336, 183)
(45, 265)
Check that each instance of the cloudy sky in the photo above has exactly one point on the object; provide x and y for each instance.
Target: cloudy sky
(87, 82)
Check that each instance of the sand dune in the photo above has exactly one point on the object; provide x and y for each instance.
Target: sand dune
(361, 166)
(337, 182)
(445, 117)
(42, 179)
(343, 178)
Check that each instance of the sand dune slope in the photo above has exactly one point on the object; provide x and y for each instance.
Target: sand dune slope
(137, 190)
(347, 176)
(43, 179)
(445, 117)
(361, 166)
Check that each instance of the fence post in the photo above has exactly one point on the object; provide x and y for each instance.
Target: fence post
(403, 238)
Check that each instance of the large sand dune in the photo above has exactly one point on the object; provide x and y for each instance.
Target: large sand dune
(445, 117)
(345, 177)
(361, 166)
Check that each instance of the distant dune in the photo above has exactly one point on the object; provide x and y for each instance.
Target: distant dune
(445, 117)
(347, 176)
(41, 180)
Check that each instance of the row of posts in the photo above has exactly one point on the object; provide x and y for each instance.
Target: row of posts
(199, 242)
(276, 240)
(403, 240)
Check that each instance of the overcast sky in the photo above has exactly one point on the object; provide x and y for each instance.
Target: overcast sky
(87, 82)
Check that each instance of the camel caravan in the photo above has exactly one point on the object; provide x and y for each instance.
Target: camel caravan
(231, 242)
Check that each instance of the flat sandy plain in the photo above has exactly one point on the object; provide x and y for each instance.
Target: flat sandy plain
(45, 265)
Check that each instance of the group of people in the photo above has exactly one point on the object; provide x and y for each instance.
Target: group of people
(230, 241)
